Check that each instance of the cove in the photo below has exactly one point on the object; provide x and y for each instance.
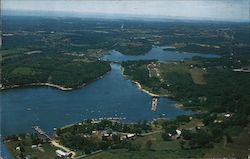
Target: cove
(156, 53)
(111, 96)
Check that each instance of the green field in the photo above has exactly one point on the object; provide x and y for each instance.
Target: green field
(159, 150)
(238, 148)
(47, 151)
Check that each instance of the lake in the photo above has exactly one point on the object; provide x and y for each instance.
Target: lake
(111, 96)
(156, 53)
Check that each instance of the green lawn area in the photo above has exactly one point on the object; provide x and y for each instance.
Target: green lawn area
(160, 150)
(191, 124)
(236, 149)
(47, 151)
(197, 74)
(182, 68)
(25, 71)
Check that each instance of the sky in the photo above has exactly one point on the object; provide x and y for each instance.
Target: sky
(231, 10)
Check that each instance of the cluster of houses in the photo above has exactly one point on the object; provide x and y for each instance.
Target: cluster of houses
(177, 135)
(108, 134)
(101, 134)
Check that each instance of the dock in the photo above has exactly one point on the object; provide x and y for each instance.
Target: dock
(41, 132)
(154, 103)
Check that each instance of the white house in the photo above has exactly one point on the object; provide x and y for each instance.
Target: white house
(130, 135)
(227, 115)
(178, 133)
(60, 153)
(18, 148)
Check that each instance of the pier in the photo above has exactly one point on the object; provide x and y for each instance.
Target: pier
(154, 103)
(41, 132)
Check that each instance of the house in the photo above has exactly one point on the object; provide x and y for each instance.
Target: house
(176, 135)
(107, 135)
(60, 153)
(36, 146)
(130, 135)
(178, 132)
(18, 148)
(227, 115)
(127, 136)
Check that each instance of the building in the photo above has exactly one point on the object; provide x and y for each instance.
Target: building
(128, 136)
(18, 148)
(154, 103)
(60, 153)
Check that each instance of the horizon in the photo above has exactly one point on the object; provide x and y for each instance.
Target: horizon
(219, 10)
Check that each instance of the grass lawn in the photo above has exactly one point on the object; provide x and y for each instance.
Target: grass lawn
(47, 151)
(160, 150)
(237, 149)
(191, 124)
(24, 71)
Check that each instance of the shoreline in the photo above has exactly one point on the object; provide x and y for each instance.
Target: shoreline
(177, 104)
(145, 91)
(52, 85)
(38, 84)
(139, 86)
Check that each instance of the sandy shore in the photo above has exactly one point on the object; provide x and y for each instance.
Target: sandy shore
(144, 90)
(38, 84)
(139, 86)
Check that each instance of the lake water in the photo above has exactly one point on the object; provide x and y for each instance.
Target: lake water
(111, 96)
(156, 53)
(108, 97)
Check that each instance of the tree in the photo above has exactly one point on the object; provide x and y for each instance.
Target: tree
(22, 150)
(149, 144)
(217, 133)
(87, 150)
(186, 134)
(229, 138)
(166, 137)
(182, 144)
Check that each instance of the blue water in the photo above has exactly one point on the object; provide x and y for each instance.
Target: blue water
(108, 97)
(4, 152)
(111, 96)
(154, 54)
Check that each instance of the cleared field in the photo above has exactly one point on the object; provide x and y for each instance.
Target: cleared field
(180, 68)
(197, 75)
(192, 124)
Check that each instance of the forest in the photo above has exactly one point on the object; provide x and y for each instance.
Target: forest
(63, 70)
